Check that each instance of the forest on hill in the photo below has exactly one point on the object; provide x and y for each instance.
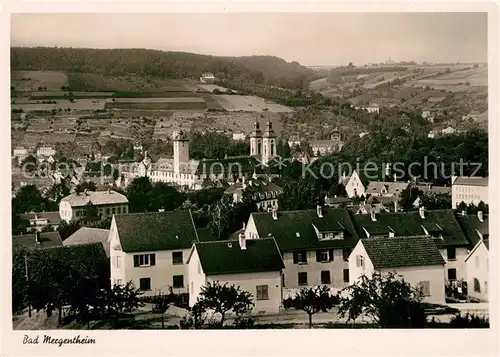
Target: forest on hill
(160, 64)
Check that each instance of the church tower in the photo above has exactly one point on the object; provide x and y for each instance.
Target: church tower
(181, 149)
(256, 140)
(268, 143)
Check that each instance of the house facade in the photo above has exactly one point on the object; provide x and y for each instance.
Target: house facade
(154, 259)
(265, 193)
(469, 190)
(107, 204)
(415, 259)
(315, 244)
(45, 151)
(477, 263)
(323, 147)
(253, 265)
(39, 220)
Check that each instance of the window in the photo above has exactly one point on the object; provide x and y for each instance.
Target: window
(178, 281)
(452, 274)
(119, 210)
(118, 281)
(323, 256)
(302, 278)
(360, 261)
(325, 277)
(425, 287)
(262, 292)
(113, 210)
(177, 258)
(346, 275)
(118, 261)
(477, 286)
(451, 253)
(476, 260)
(107, 211)
(300, 257)
(144, 260)
(145, 284)
(345, 254)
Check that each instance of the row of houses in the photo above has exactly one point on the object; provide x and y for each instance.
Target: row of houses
(278, 252)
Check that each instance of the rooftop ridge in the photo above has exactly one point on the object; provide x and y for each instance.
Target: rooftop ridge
(151, 213)
(232, 240)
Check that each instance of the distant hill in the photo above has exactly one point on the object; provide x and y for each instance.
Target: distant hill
(276, 70)
(169, 65)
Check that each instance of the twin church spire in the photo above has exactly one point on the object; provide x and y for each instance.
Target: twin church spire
(263, 145)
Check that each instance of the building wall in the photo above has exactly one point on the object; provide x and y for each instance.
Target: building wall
(250, 281)
(197, 277)
(434, 274)
(314, 269)
(65, 211)
(458, 263)
(181, 153)
(354, 186)
(181, 179)
(268, 149)
(477, 268)
(469, 194)
(254, 146)
(116, 257)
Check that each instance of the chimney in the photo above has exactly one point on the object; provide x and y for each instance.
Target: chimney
(242, 240)
(372, 214)
(395, 177)
(274, 213)
(387, 170)
(37, 237)
(480, 216)
(421, 210)
(319, 211)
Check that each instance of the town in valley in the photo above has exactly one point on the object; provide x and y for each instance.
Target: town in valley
(161, 189)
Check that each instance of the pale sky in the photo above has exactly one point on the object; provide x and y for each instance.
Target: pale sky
(308, 38)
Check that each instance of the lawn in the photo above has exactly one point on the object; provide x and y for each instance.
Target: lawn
(179, 103)
(249, 103)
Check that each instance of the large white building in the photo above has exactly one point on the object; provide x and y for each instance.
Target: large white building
(469, 190)
(107, 204)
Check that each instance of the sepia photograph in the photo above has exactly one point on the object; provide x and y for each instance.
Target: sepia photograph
(247, 171)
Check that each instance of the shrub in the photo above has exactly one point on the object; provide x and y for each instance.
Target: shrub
(469, 321)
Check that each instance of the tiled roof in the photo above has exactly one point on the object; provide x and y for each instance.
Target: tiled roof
(205, 234)
(471, 181)
(386, 253)
(293, 230)
(392, 188)
(141, 232)
(411, 224)
(227, 257)
(337, 200)
(87, 235)
(472, 227)
(259, 186)
(52, 217)
(47, 240)
(96, 197)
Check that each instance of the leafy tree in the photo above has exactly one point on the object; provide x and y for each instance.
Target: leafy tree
(221, 214)
(57, 191)
(19, 223)
(28, 198)
(436, 201)
(313, 300)
(225, 298)
(29, 164)
(302, 194)
(166, 197)
(91, 212)
(139, 193)
(66, 229)
(386, 299)
(87, 185)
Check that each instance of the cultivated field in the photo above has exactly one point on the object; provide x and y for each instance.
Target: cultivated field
(25, 81)
(78, 104)
(64, 95)
(178, 103)
(249, 103)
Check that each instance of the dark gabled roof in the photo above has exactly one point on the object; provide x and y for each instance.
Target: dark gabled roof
(141, 232)
(227, 165)
(411, 224)
(386, 253)
(471, 226)
(205, 234)
(227, 257)
(293, 230)
(28, 241)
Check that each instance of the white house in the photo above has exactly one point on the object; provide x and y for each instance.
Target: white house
(357, 183)
(45, 151)
(415, 259)
(264, 192)
(315, 244)
(39, 220)
(253, 265)
(20, 151)
(239, 136)
(323, 147)
(477, 271)
(469, 190)
(151, 250)
(207, 78)
(107, 204)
